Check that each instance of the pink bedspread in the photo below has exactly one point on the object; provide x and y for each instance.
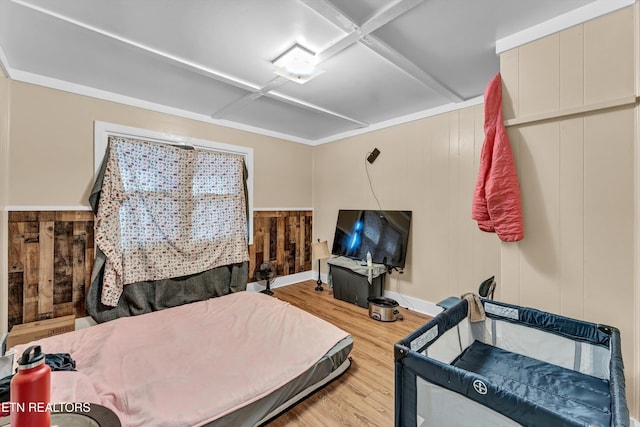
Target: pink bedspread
(191, 364)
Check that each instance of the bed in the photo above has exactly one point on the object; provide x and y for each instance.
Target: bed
(239, 359)
(519, 366)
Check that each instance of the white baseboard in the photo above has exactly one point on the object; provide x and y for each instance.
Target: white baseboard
(284, 281)
(85, 322)
(415, 304)
(635, 423)
(411, 303)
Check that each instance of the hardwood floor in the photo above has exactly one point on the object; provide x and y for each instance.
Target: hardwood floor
(363, 395)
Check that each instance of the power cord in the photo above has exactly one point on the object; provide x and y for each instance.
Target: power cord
(366, 168)
(407, 303)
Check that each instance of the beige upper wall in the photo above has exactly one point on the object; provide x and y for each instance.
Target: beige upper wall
(4, 129)
(570, 101)
(570, 98)
(47, 154)
(51, 149)
(427, 166)
(584, 66)
(4, 166)
(4, 142)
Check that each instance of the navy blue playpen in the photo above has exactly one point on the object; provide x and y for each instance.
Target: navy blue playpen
(518, 367)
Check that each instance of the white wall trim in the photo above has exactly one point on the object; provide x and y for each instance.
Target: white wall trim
(36, 79)
(39, 80)
(281, 209)
(84, 322)
(4, 64)
(283, 281)
(401, 120)
(414, 304)
(411, 303)
(562, 22)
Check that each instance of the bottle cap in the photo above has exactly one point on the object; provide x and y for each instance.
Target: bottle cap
(31, 357)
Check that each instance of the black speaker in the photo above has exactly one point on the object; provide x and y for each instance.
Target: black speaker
(373, 155)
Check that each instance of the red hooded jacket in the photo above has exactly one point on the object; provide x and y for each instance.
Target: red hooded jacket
(496, 199)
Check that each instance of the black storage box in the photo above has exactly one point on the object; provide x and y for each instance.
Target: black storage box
(352, 287)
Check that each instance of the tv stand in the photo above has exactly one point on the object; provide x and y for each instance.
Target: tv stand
(355, 283)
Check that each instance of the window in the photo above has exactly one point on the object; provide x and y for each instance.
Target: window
(167, 207)
(203, 187)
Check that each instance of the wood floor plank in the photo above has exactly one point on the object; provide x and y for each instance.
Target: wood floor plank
(363, 395)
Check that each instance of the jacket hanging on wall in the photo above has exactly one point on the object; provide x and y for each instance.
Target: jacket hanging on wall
(496, 199)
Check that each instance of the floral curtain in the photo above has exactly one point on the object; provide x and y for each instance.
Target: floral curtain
(168, 212)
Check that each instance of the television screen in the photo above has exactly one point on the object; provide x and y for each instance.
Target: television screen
(383, 233)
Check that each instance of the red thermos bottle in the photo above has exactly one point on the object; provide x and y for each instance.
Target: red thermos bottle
(31, 390)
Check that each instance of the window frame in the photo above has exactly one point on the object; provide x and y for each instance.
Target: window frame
(103, 130)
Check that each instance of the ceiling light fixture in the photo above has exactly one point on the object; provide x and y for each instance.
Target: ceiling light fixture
(297, 64)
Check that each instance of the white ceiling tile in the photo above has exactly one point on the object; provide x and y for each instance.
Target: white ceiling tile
(360, 11)
(454, 40)
(236, 38)
(86, 58)
(383, 59)
(371, 91)
(279, 116)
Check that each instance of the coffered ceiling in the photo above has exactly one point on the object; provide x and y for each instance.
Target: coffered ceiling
(383, 62)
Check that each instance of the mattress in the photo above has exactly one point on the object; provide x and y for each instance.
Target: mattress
(237, 359)
(332, 365)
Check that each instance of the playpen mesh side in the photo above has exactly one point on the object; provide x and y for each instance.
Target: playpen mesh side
(582, 356)
(438, 407)
(429, 391)
(564, 342)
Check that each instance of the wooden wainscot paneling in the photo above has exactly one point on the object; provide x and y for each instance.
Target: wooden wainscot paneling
(282, 238)
(50, 263)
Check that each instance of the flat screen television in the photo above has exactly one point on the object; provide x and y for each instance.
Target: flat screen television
(383, 233)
